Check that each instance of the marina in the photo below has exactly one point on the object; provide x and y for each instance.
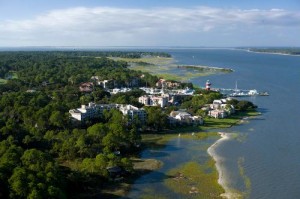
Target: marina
(230, 92)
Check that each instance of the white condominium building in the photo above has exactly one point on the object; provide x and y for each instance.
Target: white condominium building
(90, 111)
(95, 110)
(151, 100)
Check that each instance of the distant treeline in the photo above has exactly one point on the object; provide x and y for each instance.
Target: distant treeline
(288, 51)
(123, 54)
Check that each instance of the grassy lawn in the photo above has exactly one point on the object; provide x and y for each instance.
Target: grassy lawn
(213, 123)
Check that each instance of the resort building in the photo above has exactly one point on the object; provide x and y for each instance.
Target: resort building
(96, 110)
(91, 111)
(217, 113)
(221, 108)
(132, 112)
(182, 117)
(150, 100)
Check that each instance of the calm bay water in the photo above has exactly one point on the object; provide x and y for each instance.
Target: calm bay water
(271, 148)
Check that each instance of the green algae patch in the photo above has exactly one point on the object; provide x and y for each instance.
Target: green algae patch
(246, 179)
(195, 181)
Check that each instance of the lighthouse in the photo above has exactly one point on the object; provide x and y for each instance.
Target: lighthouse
(207, 85)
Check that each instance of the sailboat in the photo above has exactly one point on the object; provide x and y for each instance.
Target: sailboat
(237, 92)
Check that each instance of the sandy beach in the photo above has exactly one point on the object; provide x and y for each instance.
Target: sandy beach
(229, 194)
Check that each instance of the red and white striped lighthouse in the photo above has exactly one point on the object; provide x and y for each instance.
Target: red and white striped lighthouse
(207, 85)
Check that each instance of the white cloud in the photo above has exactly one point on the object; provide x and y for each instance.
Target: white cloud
(119, 26)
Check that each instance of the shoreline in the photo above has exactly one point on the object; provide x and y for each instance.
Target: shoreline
(218, 164)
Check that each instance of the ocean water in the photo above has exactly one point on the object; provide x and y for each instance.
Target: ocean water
(270, 148)
(272, 145)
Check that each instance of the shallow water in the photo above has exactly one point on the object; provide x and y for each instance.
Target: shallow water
(176, 152)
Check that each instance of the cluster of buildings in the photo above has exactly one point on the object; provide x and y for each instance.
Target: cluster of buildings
(153, 97)
(184, 118)
(220, 108)
(93, 110)
(152, 100)
(163, 98)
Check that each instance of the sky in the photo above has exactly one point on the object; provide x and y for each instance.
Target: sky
(193, 23)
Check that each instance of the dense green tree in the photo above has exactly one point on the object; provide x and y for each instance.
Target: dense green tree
(245, 105)
(156, 119)
(36, 177)
(57, 119)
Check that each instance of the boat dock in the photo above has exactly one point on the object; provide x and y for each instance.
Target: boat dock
(240, 92)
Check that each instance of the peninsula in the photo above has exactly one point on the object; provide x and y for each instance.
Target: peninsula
(279, 50)
(73, 123)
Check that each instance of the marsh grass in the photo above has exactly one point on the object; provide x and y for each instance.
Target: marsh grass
(164, 68)
(195, 181)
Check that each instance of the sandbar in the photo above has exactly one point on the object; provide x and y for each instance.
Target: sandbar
(229, 194)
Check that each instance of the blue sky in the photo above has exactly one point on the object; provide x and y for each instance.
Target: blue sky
(211, 23)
